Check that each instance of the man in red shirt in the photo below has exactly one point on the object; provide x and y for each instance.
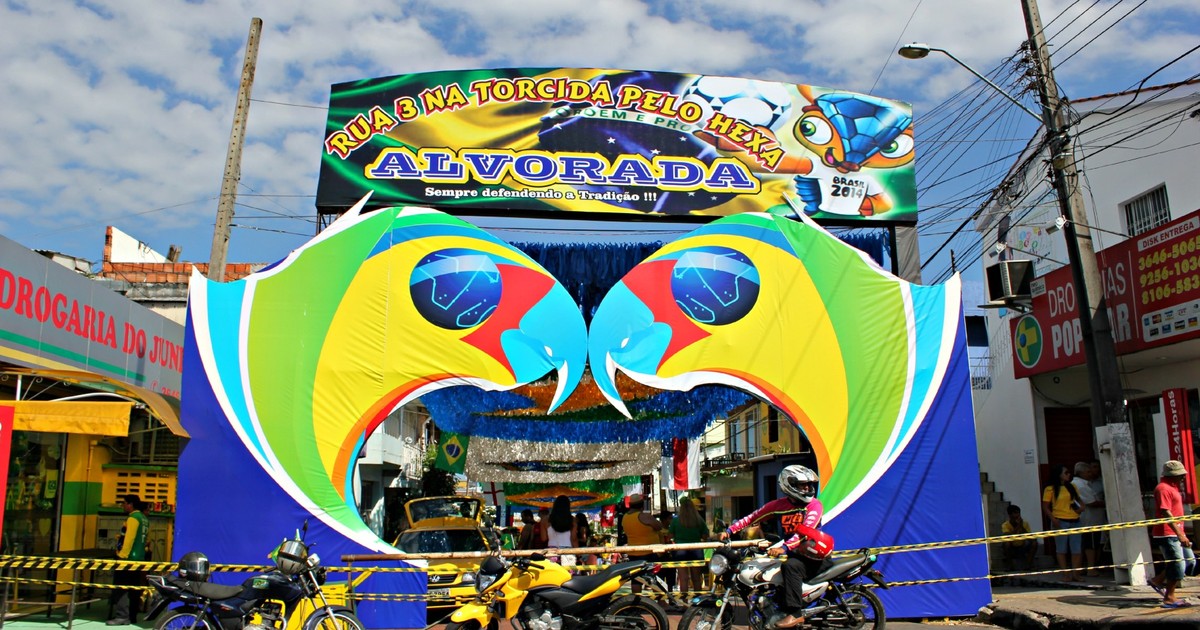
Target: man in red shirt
(1170, 537)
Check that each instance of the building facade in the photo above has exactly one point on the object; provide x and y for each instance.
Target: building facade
(1136, 153)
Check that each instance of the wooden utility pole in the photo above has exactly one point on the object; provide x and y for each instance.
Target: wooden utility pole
(1113, 438)
(233, 159)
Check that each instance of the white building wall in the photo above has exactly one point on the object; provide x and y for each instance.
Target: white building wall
(1010, 416)
(128, 249)
(1006, 428)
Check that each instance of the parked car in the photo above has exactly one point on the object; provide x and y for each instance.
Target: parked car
(441, 525)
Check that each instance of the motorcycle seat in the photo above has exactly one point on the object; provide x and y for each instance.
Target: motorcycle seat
(588, 583)
(208, 590)
(837, 568)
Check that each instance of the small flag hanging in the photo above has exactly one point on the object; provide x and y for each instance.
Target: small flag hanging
(493, 493)
(452, 452)
(681, 464)
(608, 516)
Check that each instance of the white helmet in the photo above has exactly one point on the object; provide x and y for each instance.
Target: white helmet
(799, 483)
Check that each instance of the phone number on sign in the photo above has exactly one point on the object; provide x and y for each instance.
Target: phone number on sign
(1167, 254)
(1162, 292)
(1165, 273)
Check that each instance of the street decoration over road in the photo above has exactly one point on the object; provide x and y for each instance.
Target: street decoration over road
(555, 140)
(290, 369)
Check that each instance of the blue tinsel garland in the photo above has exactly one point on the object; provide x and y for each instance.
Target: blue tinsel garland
(663, 416)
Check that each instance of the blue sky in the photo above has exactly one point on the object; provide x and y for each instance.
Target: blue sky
(119, 112)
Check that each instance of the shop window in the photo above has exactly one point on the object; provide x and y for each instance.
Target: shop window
(33, 494)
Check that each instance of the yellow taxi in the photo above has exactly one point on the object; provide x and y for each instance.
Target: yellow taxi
(442, 525)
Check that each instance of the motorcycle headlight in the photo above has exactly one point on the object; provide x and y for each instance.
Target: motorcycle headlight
(718, 565)
(482, 581)
(469, 578)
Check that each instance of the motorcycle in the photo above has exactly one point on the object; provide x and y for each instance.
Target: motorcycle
(748, 579)
(289, 595)
(536, 594)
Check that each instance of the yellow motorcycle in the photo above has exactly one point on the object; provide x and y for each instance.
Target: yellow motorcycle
(537, 594)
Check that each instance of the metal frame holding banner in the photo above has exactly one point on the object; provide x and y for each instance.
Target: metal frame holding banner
(555, 140)
(386, 307)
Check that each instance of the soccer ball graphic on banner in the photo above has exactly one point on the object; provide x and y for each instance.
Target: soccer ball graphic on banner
(456, 288)
(714, 285)
(759, 103)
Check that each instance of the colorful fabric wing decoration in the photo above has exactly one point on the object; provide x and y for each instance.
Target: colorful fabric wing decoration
(784, 310)
(307, 357)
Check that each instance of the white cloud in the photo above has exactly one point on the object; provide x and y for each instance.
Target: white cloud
(120, 111)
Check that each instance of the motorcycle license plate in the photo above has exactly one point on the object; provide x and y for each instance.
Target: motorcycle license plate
(439, 592)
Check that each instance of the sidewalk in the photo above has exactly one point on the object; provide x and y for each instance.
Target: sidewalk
(1101, 603)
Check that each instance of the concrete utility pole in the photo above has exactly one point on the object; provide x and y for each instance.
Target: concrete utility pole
(233, 159)
(1114, 440)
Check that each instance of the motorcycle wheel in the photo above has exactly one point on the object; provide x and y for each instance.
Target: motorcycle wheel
(638, 613)
(336, 620)
(180, 619)
(696, 618)
(865, 609)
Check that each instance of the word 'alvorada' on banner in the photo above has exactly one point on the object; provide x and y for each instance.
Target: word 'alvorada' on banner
(617, 141)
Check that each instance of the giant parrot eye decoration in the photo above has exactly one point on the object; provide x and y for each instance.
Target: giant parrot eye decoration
(714, 285)
(456, 288)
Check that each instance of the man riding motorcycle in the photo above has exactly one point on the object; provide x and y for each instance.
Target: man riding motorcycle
(799, 513)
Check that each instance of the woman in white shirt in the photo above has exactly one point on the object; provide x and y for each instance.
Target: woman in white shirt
(561, 529)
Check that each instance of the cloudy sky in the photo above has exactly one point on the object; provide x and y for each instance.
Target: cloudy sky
(120, 112)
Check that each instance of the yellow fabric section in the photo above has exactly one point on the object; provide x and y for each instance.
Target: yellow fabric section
(91, 418)
(795, 348)
(165, 408)
(377, 343)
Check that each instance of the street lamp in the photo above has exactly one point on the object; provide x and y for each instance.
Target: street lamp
(921, 51)
(1104, 377)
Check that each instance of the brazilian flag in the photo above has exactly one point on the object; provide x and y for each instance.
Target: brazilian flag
(452, 452)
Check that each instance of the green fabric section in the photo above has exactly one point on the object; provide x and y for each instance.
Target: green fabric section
(867, 310)
(81, 498)
(292, 313)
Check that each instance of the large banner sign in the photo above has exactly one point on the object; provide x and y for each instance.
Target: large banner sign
(51, 317)
(617, 141)
(1152, 288)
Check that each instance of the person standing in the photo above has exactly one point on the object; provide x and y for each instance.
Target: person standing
(541, 533)
(689, 527)
(527, 537)
(1062, 506)
(1093, 510)
(585, 538)
(641, 528)
(560, 529)
(127, 602)
(1170, 538)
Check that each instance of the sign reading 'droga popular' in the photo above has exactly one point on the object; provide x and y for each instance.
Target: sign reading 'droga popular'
(616, 141)
(1152, 287)
(49, 312)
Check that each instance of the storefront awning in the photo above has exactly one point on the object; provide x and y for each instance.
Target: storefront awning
(163, 407)
(90, 418)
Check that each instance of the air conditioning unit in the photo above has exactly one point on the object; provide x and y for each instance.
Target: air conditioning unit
(1009, 280)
